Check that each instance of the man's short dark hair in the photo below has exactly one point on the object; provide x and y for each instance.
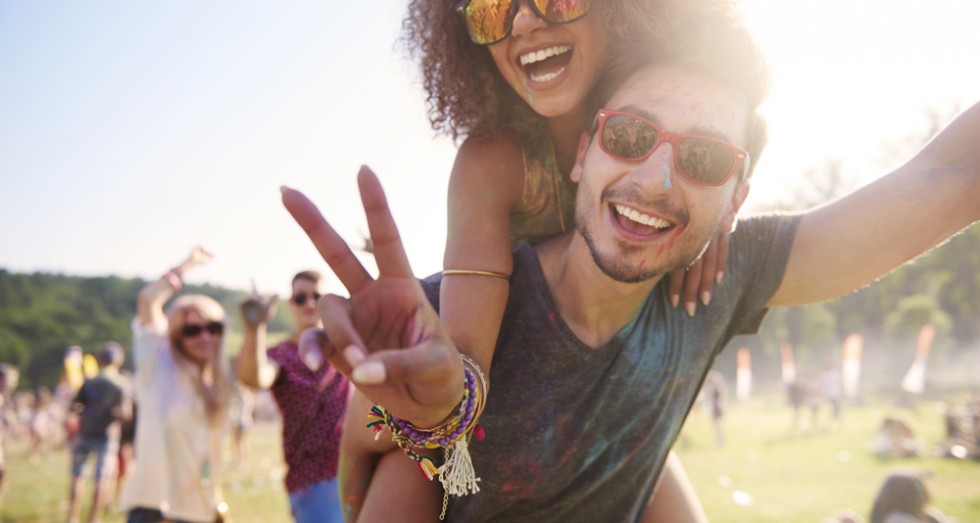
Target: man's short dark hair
(112, 353)
(308, 275)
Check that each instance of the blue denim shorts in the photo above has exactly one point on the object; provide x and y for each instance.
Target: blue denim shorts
(318, 503)
(103, 456)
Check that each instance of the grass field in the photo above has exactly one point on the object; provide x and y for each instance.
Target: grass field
(776, 474)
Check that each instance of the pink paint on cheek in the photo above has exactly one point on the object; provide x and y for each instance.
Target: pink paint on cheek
(678, 231)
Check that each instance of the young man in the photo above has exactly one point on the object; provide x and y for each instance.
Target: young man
(103, 405)
(595, 371)
(311, 398)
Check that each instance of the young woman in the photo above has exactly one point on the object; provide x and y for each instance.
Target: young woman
(183, 388)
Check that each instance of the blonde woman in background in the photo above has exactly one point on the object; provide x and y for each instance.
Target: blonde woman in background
(183, 388)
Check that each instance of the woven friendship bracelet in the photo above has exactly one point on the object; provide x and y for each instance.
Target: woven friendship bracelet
(456, 474)
(173, 280)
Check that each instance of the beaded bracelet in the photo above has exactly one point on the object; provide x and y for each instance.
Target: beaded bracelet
(174, 280)
(457, 474)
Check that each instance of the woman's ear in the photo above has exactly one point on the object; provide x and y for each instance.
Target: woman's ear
(583, 145)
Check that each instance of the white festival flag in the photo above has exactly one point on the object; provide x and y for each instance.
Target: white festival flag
(915, 379)
(743, 374)
(789, 368)
(851, 368)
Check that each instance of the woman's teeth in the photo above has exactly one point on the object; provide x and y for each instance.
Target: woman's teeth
(543, 54)
(643, 219)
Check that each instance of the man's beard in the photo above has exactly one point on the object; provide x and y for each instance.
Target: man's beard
(615, 265)
(611, 266)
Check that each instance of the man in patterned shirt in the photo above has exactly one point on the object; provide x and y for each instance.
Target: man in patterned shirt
(312, 402)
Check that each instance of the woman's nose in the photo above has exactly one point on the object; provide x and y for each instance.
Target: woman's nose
(526, 21)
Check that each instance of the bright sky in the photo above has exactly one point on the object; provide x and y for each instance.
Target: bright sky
(131, 131)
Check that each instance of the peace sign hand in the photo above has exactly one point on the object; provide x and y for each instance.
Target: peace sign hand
(386, 337)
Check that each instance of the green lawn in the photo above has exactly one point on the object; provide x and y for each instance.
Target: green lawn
(790, 477)
(811, 474)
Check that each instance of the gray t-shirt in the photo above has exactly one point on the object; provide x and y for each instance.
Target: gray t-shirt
(102, 398)
(575, 434)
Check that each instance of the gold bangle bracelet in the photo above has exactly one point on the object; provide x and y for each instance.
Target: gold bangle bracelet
(468, 272)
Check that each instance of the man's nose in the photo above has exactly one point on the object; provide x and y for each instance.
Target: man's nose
(656, 172)
(526, 21)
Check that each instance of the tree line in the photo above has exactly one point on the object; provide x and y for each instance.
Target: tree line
(41, 314)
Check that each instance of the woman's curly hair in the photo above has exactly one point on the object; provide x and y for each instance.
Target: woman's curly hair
(465, 93)
(467, 96)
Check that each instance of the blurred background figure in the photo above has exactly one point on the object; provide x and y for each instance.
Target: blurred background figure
(716, 392)
(72, 377)
(243, 416)
(45, 423)
(832, 388)
(183, 387)
(895, 439)
(8, 382)
(312, 397)
(903, 498)
(101, 406)
(804, 395)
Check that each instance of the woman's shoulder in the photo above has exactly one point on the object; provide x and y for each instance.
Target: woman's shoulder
(500, 146)
(490, 165)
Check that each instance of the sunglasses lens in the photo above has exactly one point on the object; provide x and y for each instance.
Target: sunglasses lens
(488, 21)
(628, 138)
(216, 328)
(705, 161)
(562, 11)
(193, 330)
(300, 299)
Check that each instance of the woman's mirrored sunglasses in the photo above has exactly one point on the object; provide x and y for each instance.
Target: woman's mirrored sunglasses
(701, 159)
(300, 299)
(193, 330)
(490, 21)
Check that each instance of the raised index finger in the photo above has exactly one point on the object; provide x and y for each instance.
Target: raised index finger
(330, 245)
(389, 253)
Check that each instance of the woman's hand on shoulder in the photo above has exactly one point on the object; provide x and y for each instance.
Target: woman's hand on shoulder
(696, 282)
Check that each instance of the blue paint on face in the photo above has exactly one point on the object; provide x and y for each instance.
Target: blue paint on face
(667, 176)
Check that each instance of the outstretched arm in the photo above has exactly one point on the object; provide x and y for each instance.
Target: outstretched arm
(149, 304)
(851, 242)
(254, 368)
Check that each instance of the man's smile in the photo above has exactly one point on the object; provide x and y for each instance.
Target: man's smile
(639, 224)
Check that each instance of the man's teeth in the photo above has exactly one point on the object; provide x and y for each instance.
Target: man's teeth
(543, 54)
(644, 219)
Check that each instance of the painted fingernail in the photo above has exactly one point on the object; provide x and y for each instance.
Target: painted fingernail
(353, 355)
(690, 307)
(369, 373)
(706, 297)
(720, 276)
(283, 189)
(675, 299)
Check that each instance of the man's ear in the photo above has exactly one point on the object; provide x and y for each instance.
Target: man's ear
(583, 145)
(730, 221)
